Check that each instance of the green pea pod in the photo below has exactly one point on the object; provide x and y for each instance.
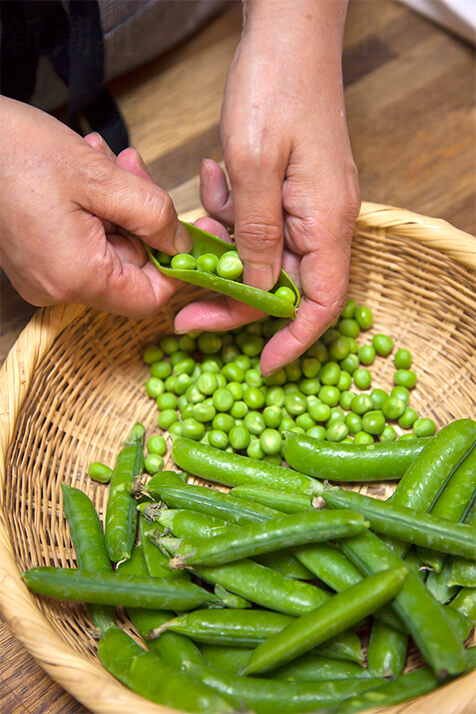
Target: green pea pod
(463, 572)
(407, 525)
(203, 242)
(437, 583)
(350, 462)
(236, 470)
(465, 603)
(248, 628)
(452, 504)
(146, 674)
(313, 667)
(281, 500)
(157, 563)
(172, 647)
(407, 686)
(337, 614)
(387, 650)
(284, 562)
(121, 512)
(256, 538)
(114, 589)
(89, 546)
(267, 696)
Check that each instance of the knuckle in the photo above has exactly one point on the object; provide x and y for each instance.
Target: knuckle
(159, 204)
(258, 235)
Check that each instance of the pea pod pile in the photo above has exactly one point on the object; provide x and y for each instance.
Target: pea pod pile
(256, 598)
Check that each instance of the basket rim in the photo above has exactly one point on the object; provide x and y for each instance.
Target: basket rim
(104, 694)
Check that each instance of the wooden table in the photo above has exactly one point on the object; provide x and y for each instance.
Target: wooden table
(410, 102)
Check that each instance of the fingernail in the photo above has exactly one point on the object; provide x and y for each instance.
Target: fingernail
(259, 275)
(182, 242)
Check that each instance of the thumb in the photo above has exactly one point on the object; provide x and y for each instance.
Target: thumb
(132, 201)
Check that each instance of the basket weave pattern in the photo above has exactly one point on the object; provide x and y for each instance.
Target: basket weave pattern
(74, 383)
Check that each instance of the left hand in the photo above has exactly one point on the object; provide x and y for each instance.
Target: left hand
(294, 192)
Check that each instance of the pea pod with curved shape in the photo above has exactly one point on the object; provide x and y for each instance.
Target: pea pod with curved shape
(203, 242)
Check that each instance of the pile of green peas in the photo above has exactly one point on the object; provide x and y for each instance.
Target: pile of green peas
(209, 387)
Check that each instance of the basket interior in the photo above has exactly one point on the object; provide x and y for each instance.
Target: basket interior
(89, 390)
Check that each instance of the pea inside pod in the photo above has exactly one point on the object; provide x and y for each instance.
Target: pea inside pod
(277, 302)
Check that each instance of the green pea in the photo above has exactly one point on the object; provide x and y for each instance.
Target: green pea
(207, 383)
(293, 371)
(194, 395)
(402, 359)
(187, 412)
(291, 388)
(336, 414)
(254, 398)
(310, 367)
(239, 409)
(271, 441)
(212, 365)
(233, 372)
(305, 421)
(329, 395)
(408, 418)
(354, 422)
(236, 389)
(203, 412)
(406, 436)
(272, 416)
(170, 383)
(346, 400)
(275, 397)
(229, 353)
(367, 354)
(160, 370)
(349, 327)
(182, 383)
(424, 427)
(152, 353)
(317, 432)
(183, 261)
(309, 386)
(182, 402)
(185, 366)
(167, 418)
(253, 345)
(393, 408)
(276, 379)
(254, 450)
(330, 335)
(286, 294)
(218, 439)
(243, 361)
(339, 348)
(337, 431)
(362, 378)
(364, 317)
(154, 387)
(153, 463)
(378, 397)
(388, 434)
(349, 308)
(273, 459)
(404, 378)
(253, 377)
(254, 422)
(286, 424)
(230, 266)
(163, 258)
(169, 345)
(353, 346)
(373, 422)
(187, 343)
(401, 393)
(209, 343)
(223, 422)
(156, 445)
(320, 411)
(312, 399)
(295, 403)
(99, 472)
(319, 351)
(330, 373)
(383, 344)
(361, 403)
(361, 437)
(177, 357)
(207, 262)
(239, 438)
(345, 380)
(350, 363)
(223, 400)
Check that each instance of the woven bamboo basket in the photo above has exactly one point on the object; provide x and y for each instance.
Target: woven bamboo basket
(72, 386)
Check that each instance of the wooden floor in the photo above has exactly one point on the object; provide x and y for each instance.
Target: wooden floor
(410, 103)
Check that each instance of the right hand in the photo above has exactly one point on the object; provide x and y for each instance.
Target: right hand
(61, 199)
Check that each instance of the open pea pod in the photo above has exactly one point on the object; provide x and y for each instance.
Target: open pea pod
(203, 242)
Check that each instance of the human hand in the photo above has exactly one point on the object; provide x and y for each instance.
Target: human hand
(61, 199)
(293, 179)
